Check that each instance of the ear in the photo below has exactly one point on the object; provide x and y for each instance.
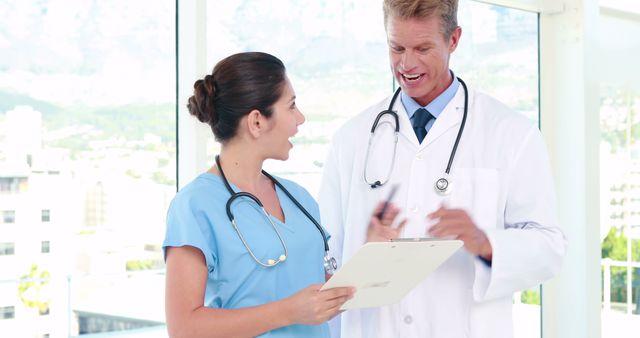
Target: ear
(454, 39)
(256, 123)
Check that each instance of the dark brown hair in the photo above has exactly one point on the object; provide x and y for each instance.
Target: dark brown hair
(238, 84)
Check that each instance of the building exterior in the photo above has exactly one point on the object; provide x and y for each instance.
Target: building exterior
(33, 218)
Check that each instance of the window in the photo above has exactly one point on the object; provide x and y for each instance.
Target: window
(9, 216)
(498, 54)
(45, 215)
(87, 135)
(12, 185)
(619, 169)
(336, 57)
(7, 249)
(45, 247)
(7, 312)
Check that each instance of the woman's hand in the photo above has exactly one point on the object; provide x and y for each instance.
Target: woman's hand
(381, 230)
(311, 306)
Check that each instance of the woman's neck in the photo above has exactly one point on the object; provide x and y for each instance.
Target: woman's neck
(241, 167)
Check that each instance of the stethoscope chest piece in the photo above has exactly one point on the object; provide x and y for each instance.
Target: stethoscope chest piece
(330, 265)
(443, 186)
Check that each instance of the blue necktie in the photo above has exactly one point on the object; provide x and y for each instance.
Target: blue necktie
(420, 119)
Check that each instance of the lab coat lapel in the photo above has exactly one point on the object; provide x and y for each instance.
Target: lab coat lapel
(450, 117)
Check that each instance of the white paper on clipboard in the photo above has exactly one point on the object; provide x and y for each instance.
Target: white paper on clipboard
(384, 272)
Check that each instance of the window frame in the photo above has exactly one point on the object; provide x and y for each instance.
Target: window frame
(8, 216)
(4, 310)
(45, 217)
(45, 247)
(7, 248)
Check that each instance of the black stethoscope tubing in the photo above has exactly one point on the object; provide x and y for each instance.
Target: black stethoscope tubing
(388, 111)
(462, 124)
(235, 195)
(391, 112)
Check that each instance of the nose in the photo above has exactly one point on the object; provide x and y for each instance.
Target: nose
(300, 118)
(407, 61)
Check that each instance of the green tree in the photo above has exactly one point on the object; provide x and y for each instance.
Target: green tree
(614, 246)
(530, 296)
(33, 291)
(143, 264)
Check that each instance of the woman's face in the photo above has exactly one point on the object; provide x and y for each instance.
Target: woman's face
(284, 124)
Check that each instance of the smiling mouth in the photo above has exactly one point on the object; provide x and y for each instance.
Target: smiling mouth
(411, 77)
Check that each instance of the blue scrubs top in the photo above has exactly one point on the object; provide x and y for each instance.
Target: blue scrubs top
(197, 217)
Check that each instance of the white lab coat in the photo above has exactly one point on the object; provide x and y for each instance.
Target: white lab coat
(501, 176)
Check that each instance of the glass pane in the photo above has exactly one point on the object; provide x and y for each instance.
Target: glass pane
(498, 54)
(87, 163)
(318, 41)
(620, 176)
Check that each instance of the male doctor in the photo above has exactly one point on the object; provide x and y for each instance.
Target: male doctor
(500, 201)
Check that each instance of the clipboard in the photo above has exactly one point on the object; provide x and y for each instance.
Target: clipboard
(384, 272)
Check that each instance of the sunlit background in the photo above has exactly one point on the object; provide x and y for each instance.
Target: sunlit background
(88, 139)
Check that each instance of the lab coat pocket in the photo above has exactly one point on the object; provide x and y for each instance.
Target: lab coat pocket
(476, 190)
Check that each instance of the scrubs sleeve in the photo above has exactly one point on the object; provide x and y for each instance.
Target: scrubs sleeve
(187, 225)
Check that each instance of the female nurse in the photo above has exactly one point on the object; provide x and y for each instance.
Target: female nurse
(262, 278)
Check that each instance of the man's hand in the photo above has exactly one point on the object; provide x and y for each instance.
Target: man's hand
(456, 223)
(381, 230)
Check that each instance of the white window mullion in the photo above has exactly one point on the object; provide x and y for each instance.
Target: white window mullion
(192, 63)
(570, 124)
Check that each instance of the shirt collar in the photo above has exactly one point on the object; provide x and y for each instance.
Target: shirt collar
(434, 107)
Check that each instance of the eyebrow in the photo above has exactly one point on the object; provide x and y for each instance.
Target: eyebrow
(423, 44)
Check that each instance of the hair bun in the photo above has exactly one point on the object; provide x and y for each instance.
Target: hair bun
(209, 85)
(201, 104)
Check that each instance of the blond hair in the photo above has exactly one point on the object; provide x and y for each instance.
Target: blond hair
(447, 10)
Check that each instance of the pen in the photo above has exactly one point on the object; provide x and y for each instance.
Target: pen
(387, 202)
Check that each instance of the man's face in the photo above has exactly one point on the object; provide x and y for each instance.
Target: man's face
(419, 56)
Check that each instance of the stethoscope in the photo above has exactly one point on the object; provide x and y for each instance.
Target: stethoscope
(329, 262)
(443, 184)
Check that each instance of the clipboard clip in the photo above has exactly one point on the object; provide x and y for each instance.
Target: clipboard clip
(413, 239)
